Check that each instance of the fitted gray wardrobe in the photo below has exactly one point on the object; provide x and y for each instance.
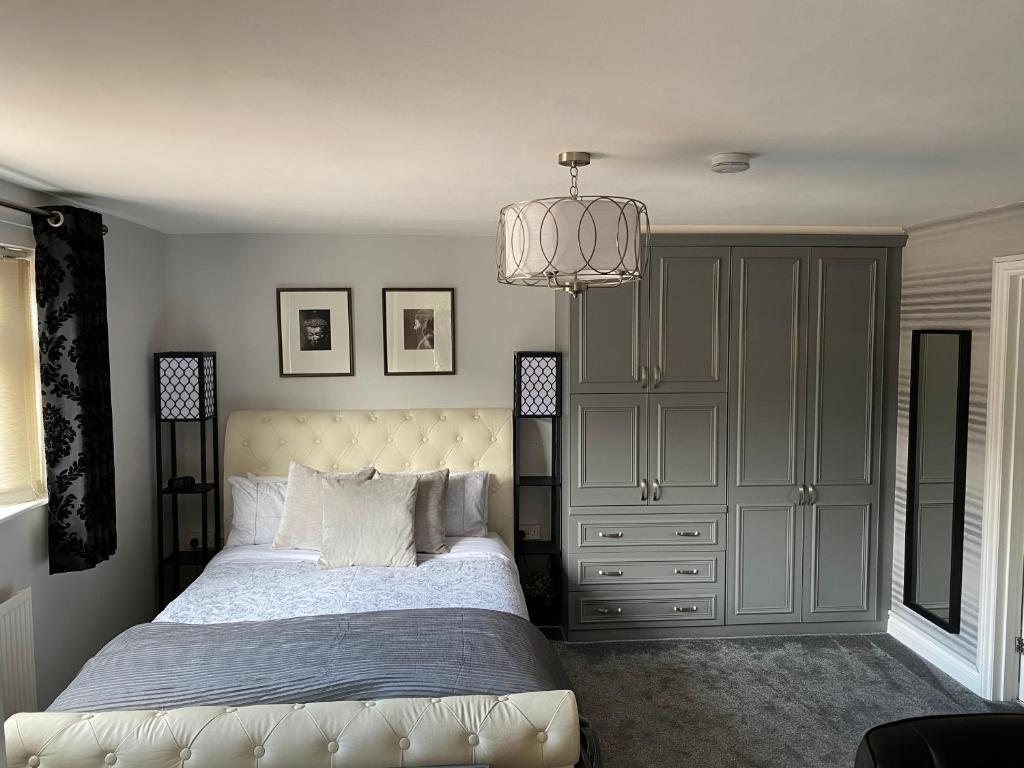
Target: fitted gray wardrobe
(728, 467)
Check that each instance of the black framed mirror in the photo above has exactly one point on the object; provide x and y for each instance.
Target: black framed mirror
(940, 375)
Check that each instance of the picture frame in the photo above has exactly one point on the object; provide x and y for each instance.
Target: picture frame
(314, 332)
(419, 331)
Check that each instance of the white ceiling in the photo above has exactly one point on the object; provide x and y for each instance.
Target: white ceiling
(385, 116)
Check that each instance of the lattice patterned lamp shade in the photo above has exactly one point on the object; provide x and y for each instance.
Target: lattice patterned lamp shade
(186, 385)
(538, 383)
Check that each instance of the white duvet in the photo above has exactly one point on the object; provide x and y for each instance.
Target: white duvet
(257, 583)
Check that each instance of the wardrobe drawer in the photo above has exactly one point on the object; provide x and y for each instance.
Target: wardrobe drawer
(612, 571)
(690, 531)
(589, 611)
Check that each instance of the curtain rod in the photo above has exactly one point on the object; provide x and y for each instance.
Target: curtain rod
(53, 218)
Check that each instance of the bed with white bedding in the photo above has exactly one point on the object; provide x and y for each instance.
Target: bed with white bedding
(443, 652)
(258, 583)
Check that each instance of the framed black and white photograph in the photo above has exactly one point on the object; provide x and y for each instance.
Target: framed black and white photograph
(419, 331)
(314, 327)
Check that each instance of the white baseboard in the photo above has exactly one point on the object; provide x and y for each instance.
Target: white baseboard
(934, 652)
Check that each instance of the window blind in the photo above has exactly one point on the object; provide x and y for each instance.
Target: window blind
(21, 449)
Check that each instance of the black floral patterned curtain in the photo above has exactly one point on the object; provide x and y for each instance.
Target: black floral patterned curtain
(71, 294)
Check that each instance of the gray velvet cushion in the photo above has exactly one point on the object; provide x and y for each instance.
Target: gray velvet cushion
(369, 522)
(465, 505)
(430, 498)
(302, 522)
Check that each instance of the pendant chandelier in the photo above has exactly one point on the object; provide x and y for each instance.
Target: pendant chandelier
(573, 243)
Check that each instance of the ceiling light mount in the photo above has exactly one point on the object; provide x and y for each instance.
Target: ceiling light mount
(576, 242)
(730, 162)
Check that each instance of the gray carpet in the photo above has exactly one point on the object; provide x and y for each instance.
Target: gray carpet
(767, 702)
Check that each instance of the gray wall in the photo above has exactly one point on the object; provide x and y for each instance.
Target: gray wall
(75, 614)
(947, 283)
(221, 295)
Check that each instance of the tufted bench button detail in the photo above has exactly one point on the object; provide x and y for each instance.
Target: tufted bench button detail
(298, 706)
(476, 463)
(110, 759)
(440, 463)
(185, 754)
(404, 743)
(335, 466)
(542, 736)
(332, 747)
(263, 468)
(423, 439)
(337, 418)
(407, 465)
(283, 441)
(371, 704)
(473, 739)
(435, 700)
(229, 710)
(258, 751)
(354, 440)
(502, 698)
(458, 438)
(317, 440)
(302, 419)
(245, 443)
(33, 761)
(87, 717)
(494, 439)
(391, 439)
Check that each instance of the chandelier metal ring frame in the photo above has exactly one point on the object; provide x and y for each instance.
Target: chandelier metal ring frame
(612, 237)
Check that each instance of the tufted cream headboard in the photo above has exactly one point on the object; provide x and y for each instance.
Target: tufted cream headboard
(461, 439)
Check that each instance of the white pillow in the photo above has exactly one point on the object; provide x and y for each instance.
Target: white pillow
(257, 505)
(465, 505)
(368, 522)
(302, 524)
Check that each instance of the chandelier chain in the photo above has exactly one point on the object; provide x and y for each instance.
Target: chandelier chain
(574, 190)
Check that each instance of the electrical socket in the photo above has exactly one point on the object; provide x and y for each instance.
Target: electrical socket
(531, 531)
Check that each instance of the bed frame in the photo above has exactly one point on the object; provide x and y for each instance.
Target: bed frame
(461, 439)
(521, 730)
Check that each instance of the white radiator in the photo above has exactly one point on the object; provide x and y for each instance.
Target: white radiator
(17, 655)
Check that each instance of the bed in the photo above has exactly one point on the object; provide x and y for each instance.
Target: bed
(267, 660)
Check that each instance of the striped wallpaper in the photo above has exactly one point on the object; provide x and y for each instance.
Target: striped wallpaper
(947, 283)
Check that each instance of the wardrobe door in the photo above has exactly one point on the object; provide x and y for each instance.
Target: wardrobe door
(686, 454)
(609, 337)
(609, 450)
(843, 433)
(767, 403)
(689, 319)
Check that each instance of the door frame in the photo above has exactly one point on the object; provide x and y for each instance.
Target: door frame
(1002, 540)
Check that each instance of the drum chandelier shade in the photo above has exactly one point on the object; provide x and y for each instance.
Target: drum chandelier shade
(575, 242)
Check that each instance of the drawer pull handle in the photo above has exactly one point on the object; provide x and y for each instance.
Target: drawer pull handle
(685, 608)
(687, 533)
(610, 534)
(609, 573)
(687, 571)
(606, 611)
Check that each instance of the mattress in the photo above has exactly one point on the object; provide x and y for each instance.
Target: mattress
(258, 583)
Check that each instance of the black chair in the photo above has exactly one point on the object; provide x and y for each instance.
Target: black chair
(945, 741)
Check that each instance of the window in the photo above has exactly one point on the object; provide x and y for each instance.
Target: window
(21, 445)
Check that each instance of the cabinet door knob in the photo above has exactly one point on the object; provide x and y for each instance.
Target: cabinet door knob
(609, 573)
(656, 489)
(688, 533)
(812, 491)
(643, 377)
(606, 611)
(609, 534)
(643, 489)
(687, 571)
(657, 376)
(801, 495)
(684, 608)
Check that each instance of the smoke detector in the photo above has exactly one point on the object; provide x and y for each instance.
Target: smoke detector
(730, 162)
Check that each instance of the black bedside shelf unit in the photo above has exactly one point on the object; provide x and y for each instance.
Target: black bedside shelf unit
(186, 393)
(538, 377)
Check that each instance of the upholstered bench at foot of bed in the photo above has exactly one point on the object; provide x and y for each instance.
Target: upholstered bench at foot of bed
(521, 730)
